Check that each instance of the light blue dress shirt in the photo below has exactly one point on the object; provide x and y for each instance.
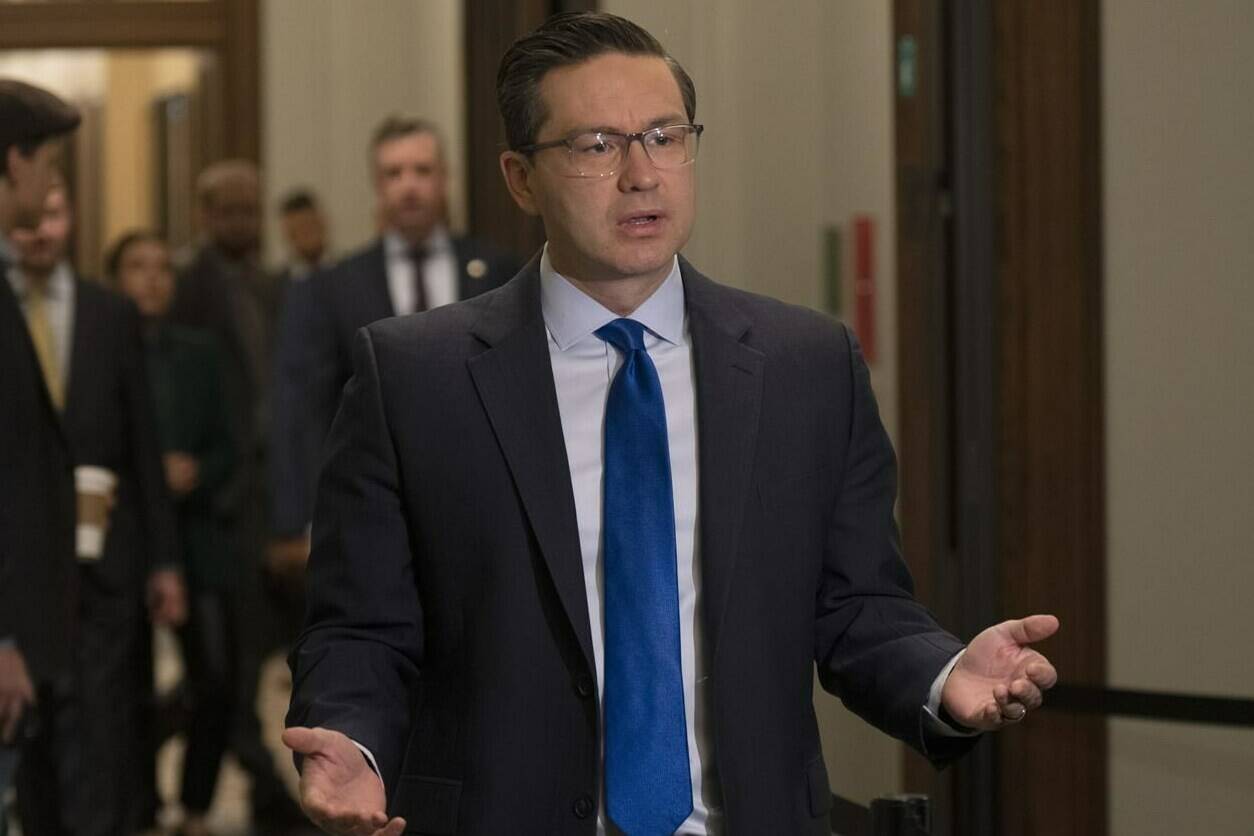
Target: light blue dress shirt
(583, 368)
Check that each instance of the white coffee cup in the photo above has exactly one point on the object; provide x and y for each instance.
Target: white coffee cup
(95, 487)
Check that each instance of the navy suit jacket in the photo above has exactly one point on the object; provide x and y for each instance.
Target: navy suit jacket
(38, 580)
(313, 358)
(448, 629)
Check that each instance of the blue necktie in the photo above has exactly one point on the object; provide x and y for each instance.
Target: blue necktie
(647, 784)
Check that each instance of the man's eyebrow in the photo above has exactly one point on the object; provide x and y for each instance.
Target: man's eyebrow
(659, 122)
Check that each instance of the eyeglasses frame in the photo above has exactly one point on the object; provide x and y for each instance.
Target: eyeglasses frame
(568, 143)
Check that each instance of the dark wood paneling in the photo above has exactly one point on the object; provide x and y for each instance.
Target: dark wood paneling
(241, 78)
(131, 24)
(923, 323)
(229, 28)
(491, 26)
(1052, 477)
(999, 310)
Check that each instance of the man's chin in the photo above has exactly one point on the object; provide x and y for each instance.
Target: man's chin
(40, 267)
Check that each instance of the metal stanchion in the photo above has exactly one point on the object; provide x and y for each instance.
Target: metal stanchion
(900, 815)
(889, 815)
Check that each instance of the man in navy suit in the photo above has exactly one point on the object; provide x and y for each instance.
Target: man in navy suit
(581, 543)
(93, 752)
(415, 265)
(37, 510)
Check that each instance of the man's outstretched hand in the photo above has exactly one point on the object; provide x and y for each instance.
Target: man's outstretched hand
(999, 678)
(338, 790)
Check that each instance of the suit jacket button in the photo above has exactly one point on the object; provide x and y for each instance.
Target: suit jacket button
(584, 686)
(583, 807)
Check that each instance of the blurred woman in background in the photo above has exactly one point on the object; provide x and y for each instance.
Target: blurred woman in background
(194, 426)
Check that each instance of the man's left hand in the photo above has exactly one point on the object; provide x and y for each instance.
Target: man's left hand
(999, 679)
(167, 598)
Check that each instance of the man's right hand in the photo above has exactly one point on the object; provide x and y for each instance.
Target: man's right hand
(338, 789)
(16, 690)
(286, 556)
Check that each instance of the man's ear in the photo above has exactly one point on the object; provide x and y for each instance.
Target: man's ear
(517, 171)
(12, 158)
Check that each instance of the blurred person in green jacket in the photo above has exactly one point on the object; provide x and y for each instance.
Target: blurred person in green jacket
(193, 421)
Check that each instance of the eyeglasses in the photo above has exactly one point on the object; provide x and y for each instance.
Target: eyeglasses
(601, 154)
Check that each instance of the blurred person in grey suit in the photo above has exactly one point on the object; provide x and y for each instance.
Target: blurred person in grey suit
(225, 291)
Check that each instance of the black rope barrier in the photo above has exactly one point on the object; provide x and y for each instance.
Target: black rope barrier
(1152, 705)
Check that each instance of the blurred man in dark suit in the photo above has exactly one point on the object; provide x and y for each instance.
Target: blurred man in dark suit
(225, 290)
(304, 227)
(415, 265)
(37, 504)
(95, 737)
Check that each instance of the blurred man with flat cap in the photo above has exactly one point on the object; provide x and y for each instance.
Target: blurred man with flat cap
(37, 504)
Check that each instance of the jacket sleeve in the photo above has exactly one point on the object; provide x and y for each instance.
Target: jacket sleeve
(304, 402)
(876, 647)
(357, 662)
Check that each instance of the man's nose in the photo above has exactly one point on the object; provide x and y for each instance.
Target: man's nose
(638, 171)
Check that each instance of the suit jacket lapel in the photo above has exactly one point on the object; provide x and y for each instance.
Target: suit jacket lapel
(514, 378)
(729, 398)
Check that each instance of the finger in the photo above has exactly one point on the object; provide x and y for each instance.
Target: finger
(1014, 712)
(1042, 674)
(1026, 694)
(1034, 628)
(335, 819)
(355, 822)
(393, 828)
(1001, 694)
(307, 741)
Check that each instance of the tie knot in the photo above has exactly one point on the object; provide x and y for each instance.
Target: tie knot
(624, 334)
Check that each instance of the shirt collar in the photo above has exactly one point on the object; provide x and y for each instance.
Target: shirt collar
(571, 315)
(396, 247)
(59, 284)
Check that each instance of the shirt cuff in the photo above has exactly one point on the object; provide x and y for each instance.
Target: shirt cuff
(933, 708)
(369, 759)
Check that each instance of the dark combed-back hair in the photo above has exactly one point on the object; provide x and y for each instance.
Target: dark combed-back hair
(564, 40)
(297, 200)
(113, 261)
(395, 126)
(29, 117)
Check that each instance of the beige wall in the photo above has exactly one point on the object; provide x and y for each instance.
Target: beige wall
(1179, 225)
(122, 84)
(798, 116)
(331, 71)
